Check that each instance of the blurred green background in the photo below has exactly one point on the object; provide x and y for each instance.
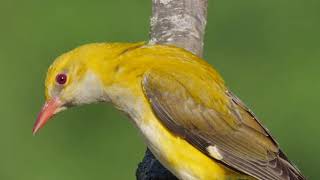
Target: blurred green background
(267, 51)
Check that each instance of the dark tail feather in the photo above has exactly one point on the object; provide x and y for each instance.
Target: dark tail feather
(293, 172)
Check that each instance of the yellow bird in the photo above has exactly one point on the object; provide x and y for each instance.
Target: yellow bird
(190, 121)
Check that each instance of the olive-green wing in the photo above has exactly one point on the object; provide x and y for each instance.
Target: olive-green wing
(224, 130)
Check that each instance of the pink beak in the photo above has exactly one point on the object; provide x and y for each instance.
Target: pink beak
(50, 108)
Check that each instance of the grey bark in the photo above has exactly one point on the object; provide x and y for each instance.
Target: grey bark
(181, 23)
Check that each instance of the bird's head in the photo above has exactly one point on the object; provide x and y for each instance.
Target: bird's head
(79, 77)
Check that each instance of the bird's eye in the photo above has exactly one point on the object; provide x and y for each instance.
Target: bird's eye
(61, 79)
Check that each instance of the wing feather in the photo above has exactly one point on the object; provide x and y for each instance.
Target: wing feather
(229, 126)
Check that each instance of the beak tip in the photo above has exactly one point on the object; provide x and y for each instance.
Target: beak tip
(48, 110)
(35, 130)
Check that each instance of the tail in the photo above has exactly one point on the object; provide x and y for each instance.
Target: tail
(290, 171)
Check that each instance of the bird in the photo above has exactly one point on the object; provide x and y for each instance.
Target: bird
(189, 119)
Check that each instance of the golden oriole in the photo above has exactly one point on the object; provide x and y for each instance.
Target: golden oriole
(189, 119)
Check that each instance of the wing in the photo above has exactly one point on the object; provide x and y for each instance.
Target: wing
(217, 123)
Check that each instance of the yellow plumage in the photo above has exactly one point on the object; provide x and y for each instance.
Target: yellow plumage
(141, 79)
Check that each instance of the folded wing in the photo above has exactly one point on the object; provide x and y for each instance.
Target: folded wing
(218, 124)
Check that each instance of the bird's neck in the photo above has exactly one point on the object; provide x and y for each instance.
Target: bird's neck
(126, 100)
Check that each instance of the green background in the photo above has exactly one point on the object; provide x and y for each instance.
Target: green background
(267, 51)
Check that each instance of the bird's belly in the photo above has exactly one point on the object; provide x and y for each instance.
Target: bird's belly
(181, 158)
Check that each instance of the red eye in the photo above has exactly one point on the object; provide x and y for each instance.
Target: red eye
(61, 79)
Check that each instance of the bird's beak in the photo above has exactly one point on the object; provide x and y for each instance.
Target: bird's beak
(50, 108)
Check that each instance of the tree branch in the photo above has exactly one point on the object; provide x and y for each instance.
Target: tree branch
(181, 23)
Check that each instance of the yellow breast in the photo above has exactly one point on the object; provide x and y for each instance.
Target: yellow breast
(181, 158)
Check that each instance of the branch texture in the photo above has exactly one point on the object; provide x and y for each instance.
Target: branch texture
(181, 23)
